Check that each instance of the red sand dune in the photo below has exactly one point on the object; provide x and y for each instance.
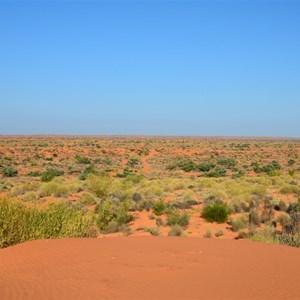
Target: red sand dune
(149, 268)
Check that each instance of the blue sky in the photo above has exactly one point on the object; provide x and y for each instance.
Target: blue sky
(150, 67)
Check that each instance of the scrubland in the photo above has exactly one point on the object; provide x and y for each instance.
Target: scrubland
(54, 187)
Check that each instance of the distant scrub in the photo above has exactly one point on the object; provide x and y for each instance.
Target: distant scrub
(49, 174)
(9, 172)
(19, 223)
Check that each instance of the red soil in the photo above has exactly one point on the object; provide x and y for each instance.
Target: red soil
(146, 167)
(149, 268)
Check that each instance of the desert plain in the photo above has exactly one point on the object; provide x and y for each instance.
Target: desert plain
(140, 217)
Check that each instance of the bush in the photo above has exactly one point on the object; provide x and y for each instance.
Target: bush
(183, 204)
(99, 184)
(109, 212)
(175, 218)
(290, 189)
(217, 172)
(187, 165)
(219, 233)
(215, 213)
(205, 167)
(227, 162)
(207, 234)
(82, 160)
(292, 240)
(284, 219)
(154, 231)
(56, 189)
(159, 207)
(34, 174)
(88, 170)
(19, 223)
(239, 223)
(49, 174)
(254, 218)
(9, 172)
(30, 196)
(87, 199)
(176, 230)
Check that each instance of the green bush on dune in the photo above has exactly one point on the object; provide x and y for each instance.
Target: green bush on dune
(215, 213)
(19, 223)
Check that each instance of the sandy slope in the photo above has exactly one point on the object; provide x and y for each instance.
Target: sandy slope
(149, 268)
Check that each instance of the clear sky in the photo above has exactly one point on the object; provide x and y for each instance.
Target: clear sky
(150, 67)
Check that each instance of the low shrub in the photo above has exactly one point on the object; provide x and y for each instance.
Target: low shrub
(176, 230)
(87, 199)
(99, 184)
(19, 223)
(154, 231)
(176, 218)
(207, 234)
(284, 219)
(290, 189)
(56, 189)
(219, 233)
(215, 213)
(109, 212)
(159, 207)
(9, 172)
(49, 174)
(217, 172)
(254, 218)
(239, 223)
(88, 170)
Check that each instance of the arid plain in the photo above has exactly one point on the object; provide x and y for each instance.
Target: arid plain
(119, 217)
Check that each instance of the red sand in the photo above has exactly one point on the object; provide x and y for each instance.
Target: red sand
(149, 268)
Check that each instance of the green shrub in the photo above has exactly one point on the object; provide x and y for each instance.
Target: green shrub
(205, 167)
(56, 189)
(30, 196)
(217, 172)
(228, 162)
(215, 213)
(49, 174)
(9, 172)
(99, 184)
(34, 174)
(19, 223)
(109, 212)
(175, 218)
(159, 207)
(88, 170)
(82, 160)
(87, 199)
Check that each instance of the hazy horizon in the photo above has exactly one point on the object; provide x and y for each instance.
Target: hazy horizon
(165, 68)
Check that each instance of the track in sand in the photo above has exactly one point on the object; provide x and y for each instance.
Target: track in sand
(149, 268)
